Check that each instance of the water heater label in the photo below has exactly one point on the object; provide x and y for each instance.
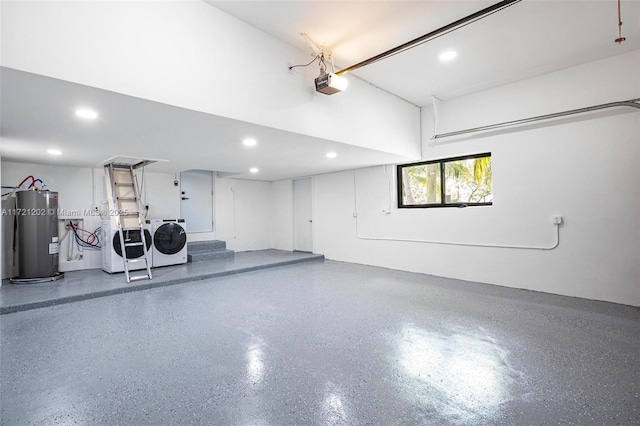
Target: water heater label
(54, 248)
(54, 239)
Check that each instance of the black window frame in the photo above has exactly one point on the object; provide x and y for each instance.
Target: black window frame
(443, 202)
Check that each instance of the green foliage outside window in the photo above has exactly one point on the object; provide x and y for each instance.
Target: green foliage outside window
(448, 182)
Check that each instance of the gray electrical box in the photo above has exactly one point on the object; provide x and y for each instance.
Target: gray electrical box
(37, 237)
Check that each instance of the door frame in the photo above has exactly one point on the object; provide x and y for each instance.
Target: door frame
(295, 204)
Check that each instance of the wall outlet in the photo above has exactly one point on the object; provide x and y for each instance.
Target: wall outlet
(557, 220)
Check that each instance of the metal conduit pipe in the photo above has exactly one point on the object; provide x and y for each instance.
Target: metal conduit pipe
(449, 243)
(630, 103)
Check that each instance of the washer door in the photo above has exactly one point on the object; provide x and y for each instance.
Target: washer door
(170, 238)
(133, 236)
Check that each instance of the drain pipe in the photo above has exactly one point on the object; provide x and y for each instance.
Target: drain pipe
(630, 103)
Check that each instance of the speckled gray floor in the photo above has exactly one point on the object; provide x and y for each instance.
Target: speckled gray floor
(92, 283)
(323, 343)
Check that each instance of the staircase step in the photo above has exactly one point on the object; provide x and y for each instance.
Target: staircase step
(201, 256)
(199, 251)
(206, 246)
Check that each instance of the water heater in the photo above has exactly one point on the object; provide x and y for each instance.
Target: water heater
(37, 213)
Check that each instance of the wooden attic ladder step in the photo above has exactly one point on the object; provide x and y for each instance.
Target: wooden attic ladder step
(127, 210)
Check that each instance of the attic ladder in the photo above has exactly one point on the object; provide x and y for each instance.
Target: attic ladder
(127, 208)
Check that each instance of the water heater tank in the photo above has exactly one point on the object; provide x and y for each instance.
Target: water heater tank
(37, 213)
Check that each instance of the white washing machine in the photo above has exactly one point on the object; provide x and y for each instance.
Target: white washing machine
(112, 251)
(169, 241)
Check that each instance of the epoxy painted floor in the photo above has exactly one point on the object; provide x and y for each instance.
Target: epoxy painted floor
(93, 283)
(323, 343)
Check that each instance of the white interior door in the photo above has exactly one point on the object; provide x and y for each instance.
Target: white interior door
(303, 225)
(196, 200)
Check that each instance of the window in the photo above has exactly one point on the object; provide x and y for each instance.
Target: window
(452, 182)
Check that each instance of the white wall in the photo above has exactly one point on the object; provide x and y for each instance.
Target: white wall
(282, 215)
(185, 53)
(243, 213)
(161, 195)
(584, 168)
(2, 235)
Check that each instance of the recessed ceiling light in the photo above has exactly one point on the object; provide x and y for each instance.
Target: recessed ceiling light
(254, 170)
(448, 56)
(331, 155)
(54, 151)
(250, 142)
(87, 114)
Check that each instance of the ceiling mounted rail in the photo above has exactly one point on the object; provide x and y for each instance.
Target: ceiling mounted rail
(433, 34)
(634, 103)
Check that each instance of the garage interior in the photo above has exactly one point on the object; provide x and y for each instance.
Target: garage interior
(305, 164)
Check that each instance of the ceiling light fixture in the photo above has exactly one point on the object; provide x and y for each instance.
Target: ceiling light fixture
(254, 170)
(54, 152)
(87, 114)
(249, 142)
(331, 154)
(447, 56)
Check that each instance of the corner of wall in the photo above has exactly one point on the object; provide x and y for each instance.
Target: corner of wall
(1, 226)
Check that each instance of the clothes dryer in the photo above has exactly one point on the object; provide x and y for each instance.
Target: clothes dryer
(169, 241)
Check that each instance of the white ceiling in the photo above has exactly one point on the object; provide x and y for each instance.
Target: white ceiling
(32, 122)
(530, 38)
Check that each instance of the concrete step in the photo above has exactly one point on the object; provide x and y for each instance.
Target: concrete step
(205, 246)
(201, 256)
(199, 251)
